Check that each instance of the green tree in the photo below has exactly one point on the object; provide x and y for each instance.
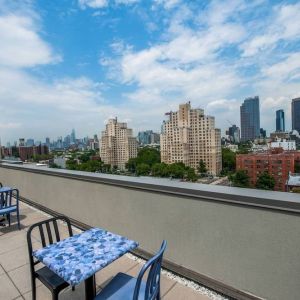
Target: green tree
(131, 165)
(191, 175)
(148, 156)
(90, 166)
(143, 169)
(244, 148)
(71, 164)
(106, 168)
(39, 157)
(202, 167)
(114, 169)
(177, 170)
(54, 166)
(160, 170)
(265, 181)
(240, 179)
(228, 161)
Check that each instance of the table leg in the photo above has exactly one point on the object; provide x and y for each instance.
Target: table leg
(90, 288)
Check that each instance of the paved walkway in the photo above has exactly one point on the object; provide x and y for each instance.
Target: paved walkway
(15, 274)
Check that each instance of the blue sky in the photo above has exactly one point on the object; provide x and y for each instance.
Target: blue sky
(75, 63)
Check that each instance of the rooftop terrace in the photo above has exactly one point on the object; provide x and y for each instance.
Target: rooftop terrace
(15, 273)
(243, 243)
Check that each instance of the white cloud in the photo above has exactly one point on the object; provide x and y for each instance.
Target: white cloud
(284, 26)
(126, 2)
(167, 3)
(98, 4)
(188, 64)
(287, 69)
(185, 62)
(21, 45)
(92, 3)
(10, 125)
(185, 65)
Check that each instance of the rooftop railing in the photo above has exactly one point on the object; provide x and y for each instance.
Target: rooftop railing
(244, 243)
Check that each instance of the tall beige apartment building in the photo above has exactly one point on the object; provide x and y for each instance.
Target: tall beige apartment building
(117, 144)
(189, 136)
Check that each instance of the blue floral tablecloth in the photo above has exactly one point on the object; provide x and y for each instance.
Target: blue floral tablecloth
(80, 256)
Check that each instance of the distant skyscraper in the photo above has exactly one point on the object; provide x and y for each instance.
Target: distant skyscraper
(280, 122)
(234, 134)
(148, 137)
(73, 137)
(30, 142)
(262, 133)
(296, 114)
(250, 119)
(21, 142)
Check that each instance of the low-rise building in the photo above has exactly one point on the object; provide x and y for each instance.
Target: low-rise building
(26, 153)
(293, 182)
(277, 163)
(232, 147)
(286, 145)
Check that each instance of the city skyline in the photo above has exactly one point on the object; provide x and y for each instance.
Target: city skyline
(224, 131)
(77, 64)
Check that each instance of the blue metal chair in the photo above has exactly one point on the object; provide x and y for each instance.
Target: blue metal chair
(51, 280)
(126, 287)
(9, 203)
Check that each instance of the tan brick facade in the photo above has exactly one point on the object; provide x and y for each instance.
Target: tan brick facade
(189, 136)
(117, 144)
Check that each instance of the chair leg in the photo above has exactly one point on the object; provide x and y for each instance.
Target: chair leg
(33, 288)
(54, 295)
(8, 218)
(18, 218)
(158, 295)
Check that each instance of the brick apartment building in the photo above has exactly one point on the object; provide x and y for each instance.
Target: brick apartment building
(26, 153)
(277, 163)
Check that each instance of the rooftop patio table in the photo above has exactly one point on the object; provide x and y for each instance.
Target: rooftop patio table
(79, 257)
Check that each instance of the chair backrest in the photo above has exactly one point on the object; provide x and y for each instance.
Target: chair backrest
(6, 198)
(153, 279)
(49, 234)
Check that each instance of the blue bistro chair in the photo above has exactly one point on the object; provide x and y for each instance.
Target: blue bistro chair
(51, 280)
(9, 204)
(126, 287)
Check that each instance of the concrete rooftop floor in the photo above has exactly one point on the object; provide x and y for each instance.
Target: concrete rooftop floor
(15, 273)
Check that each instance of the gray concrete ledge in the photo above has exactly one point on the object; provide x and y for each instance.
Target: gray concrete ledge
(281, 201)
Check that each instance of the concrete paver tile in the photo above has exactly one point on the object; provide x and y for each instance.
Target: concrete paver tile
(22, 278)
(12, 242)
(42, 293)
(14, 259)
(165, 283)
(123, 264)
(7, 291)
(1, 270)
